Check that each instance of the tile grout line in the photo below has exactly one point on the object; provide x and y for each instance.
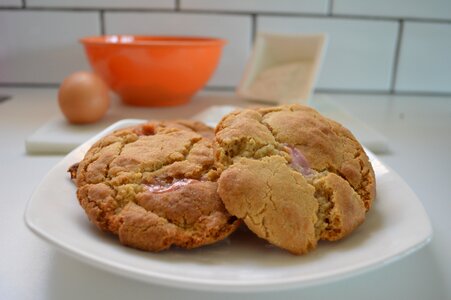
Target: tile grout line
(28, 85)
(102, 22)
(231, 89)
(330, 7)
(253, 29)
(384, 92)
(247, 13)
(396, 57)
(348, 91)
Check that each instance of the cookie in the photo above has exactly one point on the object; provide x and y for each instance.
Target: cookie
(293, 176)
(154, 186)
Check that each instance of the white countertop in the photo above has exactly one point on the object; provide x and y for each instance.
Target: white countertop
(418, 130)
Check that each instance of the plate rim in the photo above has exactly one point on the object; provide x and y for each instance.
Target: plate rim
(203, 284)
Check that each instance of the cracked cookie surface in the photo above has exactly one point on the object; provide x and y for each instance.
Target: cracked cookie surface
(154, 185)
(292, 175)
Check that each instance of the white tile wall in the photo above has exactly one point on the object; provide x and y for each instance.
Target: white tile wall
(236, 29)
(285, 6)
(11, 3)
(425, 58)
(360, 55)
(103, 3)
(42, 47)
(439, 9)
(38, 41)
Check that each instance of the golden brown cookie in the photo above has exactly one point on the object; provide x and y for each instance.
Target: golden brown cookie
(292, 175)
(154, 186)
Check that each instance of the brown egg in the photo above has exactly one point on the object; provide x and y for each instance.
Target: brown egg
(83, 98)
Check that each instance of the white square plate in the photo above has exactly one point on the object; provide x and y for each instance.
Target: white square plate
(395, 226)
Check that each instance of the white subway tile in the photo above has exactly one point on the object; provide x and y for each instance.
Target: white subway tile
(103, 3)
(10, 3)
(235, 29)
(425, 61)
(42, 47)
(284, 6)
(360, 53)
(440, 9)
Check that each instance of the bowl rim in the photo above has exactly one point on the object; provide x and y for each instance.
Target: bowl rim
(151, 40)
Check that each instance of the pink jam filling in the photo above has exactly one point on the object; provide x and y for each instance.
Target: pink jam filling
(169, 187)
(299, 162)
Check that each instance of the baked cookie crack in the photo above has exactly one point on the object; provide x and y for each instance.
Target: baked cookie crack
(315, 183)
(148, 184)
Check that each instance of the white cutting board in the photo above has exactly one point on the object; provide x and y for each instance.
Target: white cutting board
(57, 136)
(366, 135)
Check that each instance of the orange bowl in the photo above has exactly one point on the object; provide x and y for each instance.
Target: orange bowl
(153, 70)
